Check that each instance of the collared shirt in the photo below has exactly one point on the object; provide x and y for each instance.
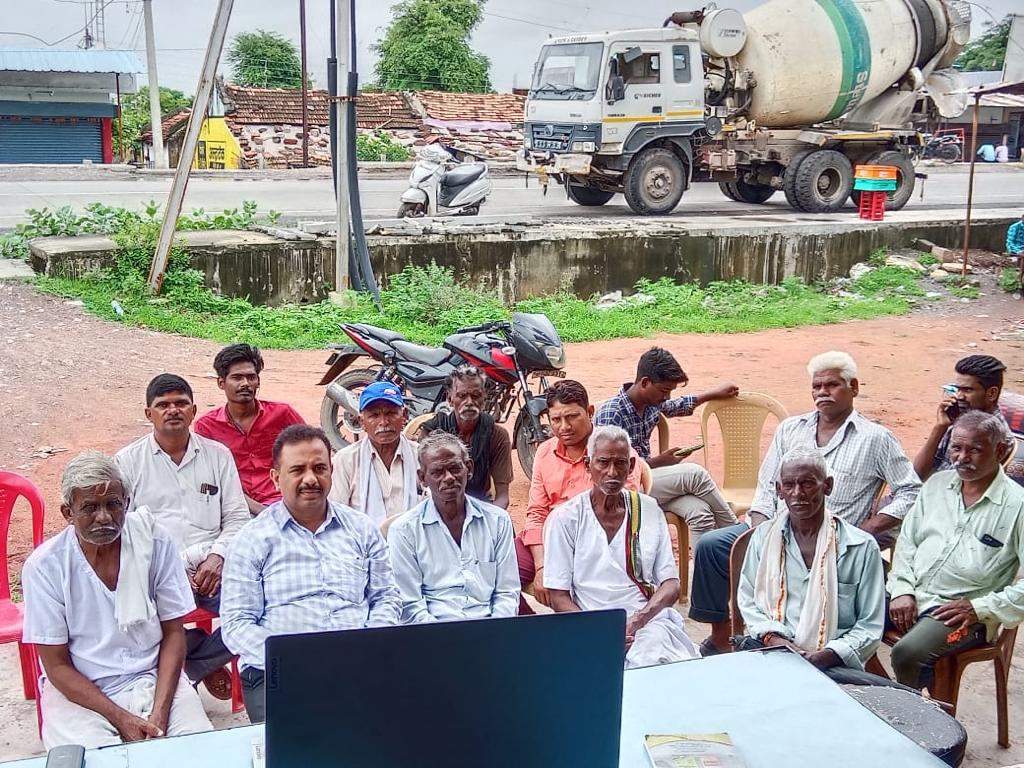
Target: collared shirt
(198, 501)
(440, 580)
(1015, 238)
(252, 450)
(861, 592)
(862, 456)
(620, 412)
(345, 488)
(946, 552)
(67, 603)
(941, 461)
(556, 479)
(282, 579)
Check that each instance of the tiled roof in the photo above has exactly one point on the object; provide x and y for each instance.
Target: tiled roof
(171, 125)
(481, 107)
(261, 106)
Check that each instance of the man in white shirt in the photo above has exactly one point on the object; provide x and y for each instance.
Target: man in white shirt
(306, 564)
(377, 475)
(191, 485)
(103, 605)
(453, 555)
(610, 548)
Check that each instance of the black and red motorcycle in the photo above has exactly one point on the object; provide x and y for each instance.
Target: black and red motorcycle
(508, 351)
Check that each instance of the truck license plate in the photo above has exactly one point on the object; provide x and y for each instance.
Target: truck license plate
(547, 144)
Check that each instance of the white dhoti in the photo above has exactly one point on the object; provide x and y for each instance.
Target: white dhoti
(65, 722)
(579, 558)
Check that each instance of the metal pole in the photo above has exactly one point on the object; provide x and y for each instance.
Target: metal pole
(188, 150)
(305, 90)
(120, 122)
(970, 183)
(159, 156)
(341, 248)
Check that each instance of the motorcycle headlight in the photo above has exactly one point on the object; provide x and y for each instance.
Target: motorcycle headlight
(583, 146)
(555, 356)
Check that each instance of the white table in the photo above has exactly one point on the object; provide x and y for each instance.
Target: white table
(778, 709)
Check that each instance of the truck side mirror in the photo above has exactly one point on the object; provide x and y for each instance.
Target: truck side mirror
(615, 90)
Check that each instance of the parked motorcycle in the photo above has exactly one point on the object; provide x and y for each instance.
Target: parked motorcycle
(446, 181)
(508, 352)
(945, 147)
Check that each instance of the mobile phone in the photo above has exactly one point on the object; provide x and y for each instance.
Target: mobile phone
(684, 452)
(66, 756)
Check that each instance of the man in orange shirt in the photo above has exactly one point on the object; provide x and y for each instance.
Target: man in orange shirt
(559, 473)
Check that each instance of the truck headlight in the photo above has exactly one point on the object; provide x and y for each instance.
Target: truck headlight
(583, 146)
(527, 142)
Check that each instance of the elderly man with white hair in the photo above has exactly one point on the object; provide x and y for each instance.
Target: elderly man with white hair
(104, 600)
(863, 457)
(812, 582)
(609, 548)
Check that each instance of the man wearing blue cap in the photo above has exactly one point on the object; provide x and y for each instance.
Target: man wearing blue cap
(377, 475)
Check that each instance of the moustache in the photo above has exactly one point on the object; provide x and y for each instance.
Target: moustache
(309, 488)
(963, 465)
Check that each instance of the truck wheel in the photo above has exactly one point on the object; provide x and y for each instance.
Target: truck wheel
(751, 193)
(588, 196)
(654, 182)
(789, 178)
(904, 164)
(823, 181)
(729, 190)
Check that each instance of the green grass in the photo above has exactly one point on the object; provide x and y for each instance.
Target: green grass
(1009, 279)
(965, 291)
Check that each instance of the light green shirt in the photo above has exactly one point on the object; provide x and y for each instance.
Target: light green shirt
(861, 596)
(945, 552)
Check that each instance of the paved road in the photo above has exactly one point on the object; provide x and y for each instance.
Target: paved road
(313, 199)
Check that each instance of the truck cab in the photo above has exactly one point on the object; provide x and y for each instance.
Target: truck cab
(617, 112)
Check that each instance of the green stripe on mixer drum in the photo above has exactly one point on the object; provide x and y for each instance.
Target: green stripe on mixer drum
(855, 47)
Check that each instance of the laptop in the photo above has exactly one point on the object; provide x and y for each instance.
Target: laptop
(525, 692)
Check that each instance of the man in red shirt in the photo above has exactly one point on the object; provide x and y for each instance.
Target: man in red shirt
(559, 474)
(247, 426)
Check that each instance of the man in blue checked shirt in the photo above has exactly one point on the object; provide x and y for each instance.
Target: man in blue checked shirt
(306, 564)
(684, 489)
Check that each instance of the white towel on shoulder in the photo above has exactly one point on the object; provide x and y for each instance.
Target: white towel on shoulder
(133, 603)
(369, 488)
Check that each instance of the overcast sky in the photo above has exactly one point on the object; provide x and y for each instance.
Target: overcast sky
(511, 33)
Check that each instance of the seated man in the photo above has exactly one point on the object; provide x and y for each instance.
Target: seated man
(862, 457)
(978, 384)
(559, 473)
(247, 426)
(685, 489)
(452, 554)
(306, 564)
(377, 475)
(811, 581)
(104, 600)
(190, 484)
(489, 444)
(610, 548)
(953, 574)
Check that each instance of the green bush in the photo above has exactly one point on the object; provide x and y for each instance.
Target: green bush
(380, 146)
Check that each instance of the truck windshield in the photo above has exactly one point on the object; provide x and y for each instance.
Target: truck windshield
(567, 71)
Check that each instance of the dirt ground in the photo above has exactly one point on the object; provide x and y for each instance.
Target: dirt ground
(70, 382)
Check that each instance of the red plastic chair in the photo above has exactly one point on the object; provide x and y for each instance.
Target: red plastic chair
(12, 487)
(203, 619)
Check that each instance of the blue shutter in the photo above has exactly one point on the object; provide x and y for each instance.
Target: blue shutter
(50, 140)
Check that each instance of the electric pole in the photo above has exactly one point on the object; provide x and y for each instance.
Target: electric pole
(341, 248)
(155, 121)
(305, 89)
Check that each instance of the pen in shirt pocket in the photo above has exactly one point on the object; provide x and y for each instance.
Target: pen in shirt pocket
(208, 489)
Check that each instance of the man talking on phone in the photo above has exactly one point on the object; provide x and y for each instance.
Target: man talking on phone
(684, 489)
(976, 387)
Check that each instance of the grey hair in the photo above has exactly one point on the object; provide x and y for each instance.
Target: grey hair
(87, 470)
(440, 439)
(991, 425)
(607, 432)
(833, 360)
(807, 456)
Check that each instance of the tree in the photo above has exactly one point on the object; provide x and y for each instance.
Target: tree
(986, 53)
(264, 60)
(426, 47)
(135, 115)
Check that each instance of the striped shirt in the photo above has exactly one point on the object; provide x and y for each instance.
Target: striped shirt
(620, 412)
(862, 457)
(282, 579)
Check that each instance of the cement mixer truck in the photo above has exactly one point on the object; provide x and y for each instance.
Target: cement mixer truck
(790, 97)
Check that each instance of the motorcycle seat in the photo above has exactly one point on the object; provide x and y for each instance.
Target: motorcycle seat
(463, 174)
(381, 334)
(420, 354)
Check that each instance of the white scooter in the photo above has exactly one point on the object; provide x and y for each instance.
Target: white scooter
(445, 181)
